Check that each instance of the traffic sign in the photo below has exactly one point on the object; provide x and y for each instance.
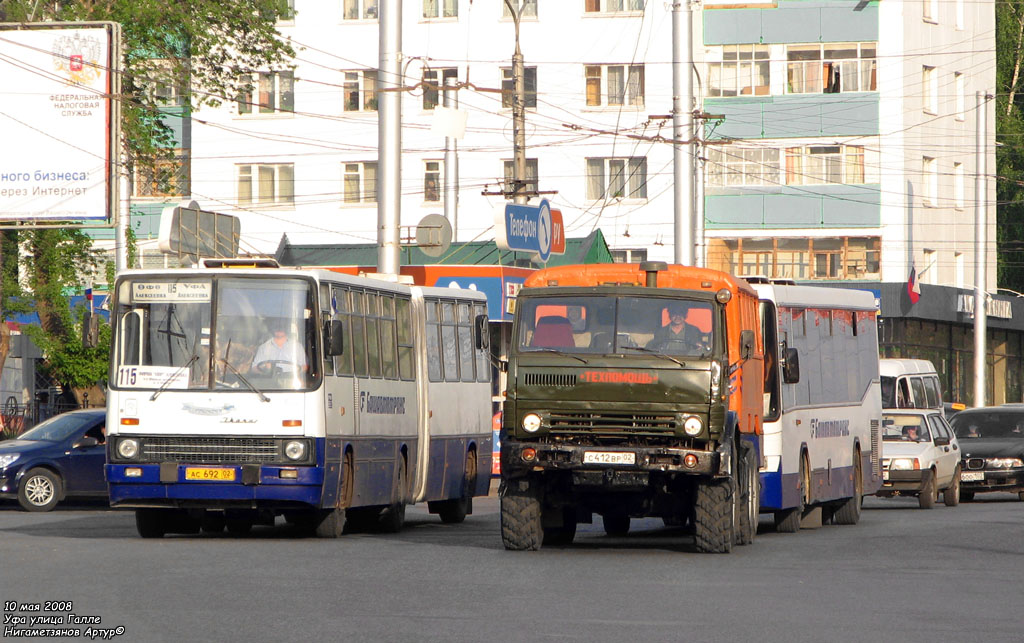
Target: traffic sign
(527, 228)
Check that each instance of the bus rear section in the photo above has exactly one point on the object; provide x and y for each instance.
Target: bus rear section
(633, 391)
(822, 406)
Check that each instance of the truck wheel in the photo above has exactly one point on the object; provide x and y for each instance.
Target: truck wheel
(616, 523)
(951, 496)
(715, 512)
(151, 523)
(787, 521)
(748, 505)
(848, 513)
(520, 517)
(565, 534)
(926, 499)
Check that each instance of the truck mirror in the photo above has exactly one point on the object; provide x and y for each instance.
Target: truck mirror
(791, 366)
(746, 344)
(334, 337)
(483, 338)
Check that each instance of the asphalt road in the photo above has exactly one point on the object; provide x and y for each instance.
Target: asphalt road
(902, 574)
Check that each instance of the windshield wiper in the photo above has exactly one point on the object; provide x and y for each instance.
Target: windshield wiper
(556, 352)
(172, 377)
(263, 398)
(654, 352)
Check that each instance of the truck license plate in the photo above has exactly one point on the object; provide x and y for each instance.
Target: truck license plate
(609, 457)
(972, 476)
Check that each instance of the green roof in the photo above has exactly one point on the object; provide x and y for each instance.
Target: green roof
(589, 249)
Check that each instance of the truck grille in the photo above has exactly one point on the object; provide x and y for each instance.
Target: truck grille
(210, 450)
(550, 379)
(613, 423)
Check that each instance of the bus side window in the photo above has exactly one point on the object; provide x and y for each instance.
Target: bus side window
(325, 313)
(449, 350)
(342, 311)
(388, 341)
(358, 336)
(467, 360)
(405, 346)
(433, 341)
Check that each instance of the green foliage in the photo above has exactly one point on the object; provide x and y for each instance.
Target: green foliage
(1010, 152)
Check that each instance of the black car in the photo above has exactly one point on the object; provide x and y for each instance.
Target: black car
(63, 456)
(992, 444)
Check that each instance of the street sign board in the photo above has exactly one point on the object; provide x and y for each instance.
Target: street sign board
(526, 228)
(191, 233)
(557, 233)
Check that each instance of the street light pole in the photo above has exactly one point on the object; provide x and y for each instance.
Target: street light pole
(518, 114)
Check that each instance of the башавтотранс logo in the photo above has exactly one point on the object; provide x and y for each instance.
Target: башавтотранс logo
(78, 57)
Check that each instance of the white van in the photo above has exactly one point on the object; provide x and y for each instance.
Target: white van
(909, 384)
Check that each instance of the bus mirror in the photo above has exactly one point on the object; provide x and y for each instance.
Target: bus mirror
(746, 344)
(791, 367)
(483, 338)
(334, 338)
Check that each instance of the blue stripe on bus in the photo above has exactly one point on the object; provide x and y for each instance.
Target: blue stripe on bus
(781, 491)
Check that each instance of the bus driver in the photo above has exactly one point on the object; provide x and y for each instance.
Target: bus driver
(281, 353)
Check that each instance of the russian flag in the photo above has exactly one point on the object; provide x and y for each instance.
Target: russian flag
(913, 287)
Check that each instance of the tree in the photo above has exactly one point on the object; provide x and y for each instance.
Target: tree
(1010, 153)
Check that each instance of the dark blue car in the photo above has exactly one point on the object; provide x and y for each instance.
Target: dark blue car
(61, 457)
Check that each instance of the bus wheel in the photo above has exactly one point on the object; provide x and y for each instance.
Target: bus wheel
(929, 494)
(565, 534)
(787, 521)
(848, 513)
(330, 523)
(393, 516)
(748, 505)
(455, 510)
(951, 496)
(212, 522)
(715, 516)
(520, 516)
(151, 523)
(616, 523)
(238, 526)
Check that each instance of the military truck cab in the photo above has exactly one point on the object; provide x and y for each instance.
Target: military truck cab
(633, 390)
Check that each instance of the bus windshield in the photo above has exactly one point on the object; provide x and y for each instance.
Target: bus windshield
(196, 333)
(624, 325)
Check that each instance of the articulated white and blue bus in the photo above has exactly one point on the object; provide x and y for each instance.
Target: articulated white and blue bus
(240, 391)
(822, 413)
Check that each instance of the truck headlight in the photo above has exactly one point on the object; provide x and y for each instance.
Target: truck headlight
(295, 449)
(531, 422)
(128, 448)
(904, 464)
(692, 426)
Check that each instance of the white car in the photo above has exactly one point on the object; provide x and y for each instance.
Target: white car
(920, 457)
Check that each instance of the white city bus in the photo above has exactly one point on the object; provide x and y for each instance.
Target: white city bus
(376, 396)
(822, 413)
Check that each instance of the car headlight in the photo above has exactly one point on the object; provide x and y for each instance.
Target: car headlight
(295, 449)
(7, 459)
(904, 464)
(692, 426)
(531, 422)
(128, 448)
(1003, 463)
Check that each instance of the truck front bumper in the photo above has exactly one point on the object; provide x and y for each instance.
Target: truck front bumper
(521, 458)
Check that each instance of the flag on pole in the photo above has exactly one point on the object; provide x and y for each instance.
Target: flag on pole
(913, 287)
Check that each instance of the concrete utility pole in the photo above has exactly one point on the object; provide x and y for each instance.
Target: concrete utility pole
(451, 163)
(980, 234)
(518, 114)
(682, 130)
(389, 138)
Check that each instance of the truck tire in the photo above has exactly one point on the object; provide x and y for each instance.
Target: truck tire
(951, 496)
(748, 505)
(848, 513)
(715, 513)
(929, 494)
(520, 517)
(616, 523)
(787, 521)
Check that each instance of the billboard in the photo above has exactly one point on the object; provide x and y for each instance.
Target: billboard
(59, 123)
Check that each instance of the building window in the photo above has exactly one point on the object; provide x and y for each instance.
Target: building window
(531, 182)
(360, 10)
(928, 274)
(275, 92)
(834, 258)
(960, 97)
(167, 177)
(628, 255)
(286, 8)
(930, 181)
(165, 82)
(930, 87)
(433, 82)
(432, 181)
(359, 184)
(732, 165)
(615, 85)
(831, 68)
(527, 8)
(744, 70)
(616, 178)
(820, 164)
(508, 87)
(440, 8)
(613, 6)
(360, 90)
(931, 10)
(958, 186)
(266, 184)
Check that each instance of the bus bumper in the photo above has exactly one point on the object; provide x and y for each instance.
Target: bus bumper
(166, 485)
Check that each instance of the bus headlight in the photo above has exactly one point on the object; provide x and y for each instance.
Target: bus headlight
(693, 426)
(128, 448)
(295, 449)
(531, 422)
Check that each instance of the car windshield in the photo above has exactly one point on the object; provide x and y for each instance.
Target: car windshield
(905, 428)
(982, 424)
(58, 428)
(624, 325)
